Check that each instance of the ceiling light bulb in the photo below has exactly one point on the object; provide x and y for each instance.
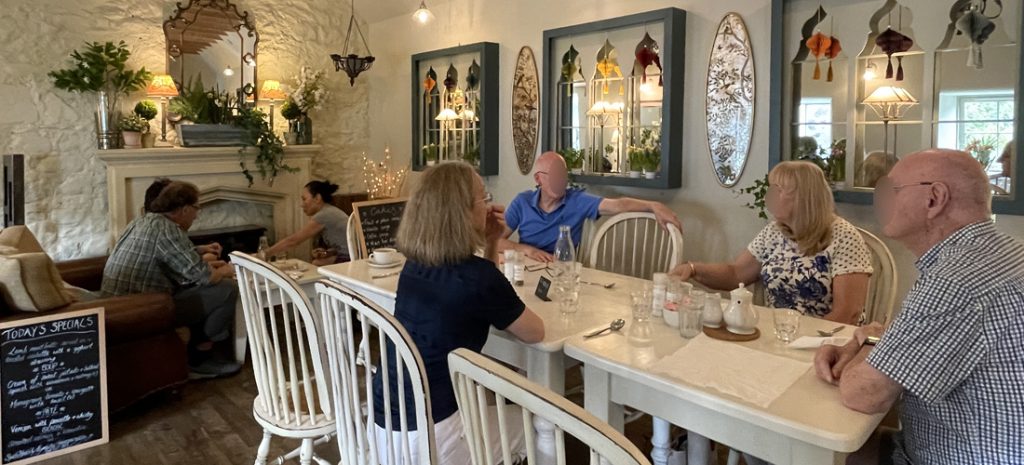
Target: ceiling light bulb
(423, 14)
(869, 72)
(229, 72)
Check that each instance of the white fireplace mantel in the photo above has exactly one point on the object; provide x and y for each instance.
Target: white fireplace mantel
(217, 174)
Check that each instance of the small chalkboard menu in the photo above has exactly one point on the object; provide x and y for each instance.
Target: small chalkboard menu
(377, 221)
(53, 385)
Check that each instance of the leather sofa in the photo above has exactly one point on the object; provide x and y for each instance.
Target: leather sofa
(145, 355)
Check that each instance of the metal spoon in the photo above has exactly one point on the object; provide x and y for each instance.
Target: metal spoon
(830, 333)
(606, 286)
(614, 326)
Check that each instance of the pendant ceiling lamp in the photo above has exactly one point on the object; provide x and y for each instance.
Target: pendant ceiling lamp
(423, 14)
(349, 61)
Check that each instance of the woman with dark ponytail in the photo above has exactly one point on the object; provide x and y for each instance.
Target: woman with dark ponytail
(325, 220)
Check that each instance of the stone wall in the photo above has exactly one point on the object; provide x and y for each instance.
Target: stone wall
(66, 186)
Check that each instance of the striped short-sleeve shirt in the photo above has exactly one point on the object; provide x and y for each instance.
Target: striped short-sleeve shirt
(957, 348)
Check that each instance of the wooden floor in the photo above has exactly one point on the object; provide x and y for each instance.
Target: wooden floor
(210, 423)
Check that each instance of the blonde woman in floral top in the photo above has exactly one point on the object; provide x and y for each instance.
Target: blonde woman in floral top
(808, 259)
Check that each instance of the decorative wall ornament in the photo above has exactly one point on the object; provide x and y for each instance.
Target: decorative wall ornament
(729, 104)
(526, 106)
(455, 116)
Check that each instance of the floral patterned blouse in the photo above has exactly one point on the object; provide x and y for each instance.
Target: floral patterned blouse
(804, 283)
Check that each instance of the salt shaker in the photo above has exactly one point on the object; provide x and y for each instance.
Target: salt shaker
(519, 270)
(510, 265)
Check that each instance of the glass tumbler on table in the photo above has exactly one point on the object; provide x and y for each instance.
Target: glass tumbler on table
(569, 287)
(641, 300)
(787, 322)
(691, 314)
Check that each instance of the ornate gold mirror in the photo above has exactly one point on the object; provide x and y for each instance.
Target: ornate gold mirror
(210, 40)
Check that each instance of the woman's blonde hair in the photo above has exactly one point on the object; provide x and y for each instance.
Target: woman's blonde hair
(813, 206)
(437, 226)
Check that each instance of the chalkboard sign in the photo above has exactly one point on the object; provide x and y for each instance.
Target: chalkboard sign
(53, 385)
(377, 222)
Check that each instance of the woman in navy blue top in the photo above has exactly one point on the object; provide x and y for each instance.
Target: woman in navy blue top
(447, 296)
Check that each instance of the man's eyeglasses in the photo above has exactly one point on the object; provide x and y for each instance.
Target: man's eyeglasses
(887, 189)
(560, 177)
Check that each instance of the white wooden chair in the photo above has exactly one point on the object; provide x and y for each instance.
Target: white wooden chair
(348, 319)
(635, 244)
(881, 299)
(586, 241)
(475, 376)
(293, 399)
(352, 232)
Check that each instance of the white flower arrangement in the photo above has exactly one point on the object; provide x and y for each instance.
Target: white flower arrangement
(309, 93)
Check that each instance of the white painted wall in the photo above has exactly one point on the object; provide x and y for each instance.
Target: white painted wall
(66, 195)
(717, 226)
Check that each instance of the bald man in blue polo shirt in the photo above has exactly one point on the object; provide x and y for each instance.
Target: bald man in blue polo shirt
(538, 213)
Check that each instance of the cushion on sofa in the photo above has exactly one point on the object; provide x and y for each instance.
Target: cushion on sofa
(29, 280)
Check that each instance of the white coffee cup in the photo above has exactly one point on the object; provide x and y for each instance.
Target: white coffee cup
(384, 256)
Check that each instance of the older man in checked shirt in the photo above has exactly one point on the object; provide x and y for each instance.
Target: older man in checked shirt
(955, 353)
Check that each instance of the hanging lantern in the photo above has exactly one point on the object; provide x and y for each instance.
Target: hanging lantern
(977, 27)
(451, 79)
(571, 64)
(818, 44)
(833, 52)
(892, 42)
(646, 55)
(608, 65)
(350, 62)
(430, 82)
(473, 77)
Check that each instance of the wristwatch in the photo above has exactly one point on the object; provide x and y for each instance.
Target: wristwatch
(870, 341)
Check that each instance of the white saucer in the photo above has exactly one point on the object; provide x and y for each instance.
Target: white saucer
(393, 264)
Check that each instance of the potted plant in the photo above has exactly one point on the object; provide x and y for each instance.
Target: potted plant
(430, 153)
(759, 190)
(100, 69)
(205, 117)
(573, 159)
(636, 161)
(309, 94)
(981, 150)
(291, 112)
(131, 127)
(472, 156)
(146, 110)
(269, 148)
(652, 159)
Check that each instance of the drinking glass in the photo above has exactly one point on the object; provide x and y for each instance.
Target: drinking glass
(641, 300)
(569, 288)
(787, 322)
(691, 314)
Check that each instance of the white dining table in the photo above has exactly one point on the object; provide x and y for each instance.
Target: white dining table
(545, 361)
(806, 425)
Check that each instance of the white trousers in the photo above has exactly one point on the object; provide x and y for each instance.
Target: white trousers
(452, 448)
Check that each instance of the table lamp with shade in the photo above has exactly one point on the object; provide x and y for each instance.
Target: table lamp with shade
(272, 92)
(890, 103)
(162, 86)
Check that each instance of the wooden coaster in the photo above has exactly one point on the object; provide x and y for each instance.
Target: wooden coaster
(726, 335)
